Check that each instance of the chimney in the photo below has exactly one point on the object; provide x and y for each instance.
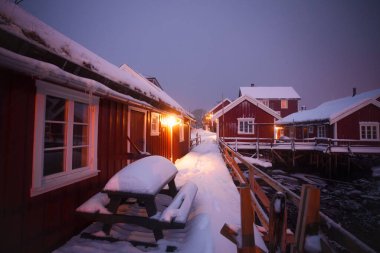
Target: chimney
(252, 85)
(353, 92)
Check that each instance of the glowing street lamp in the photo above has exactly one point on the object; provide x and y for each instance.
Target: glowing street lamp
(171, 121)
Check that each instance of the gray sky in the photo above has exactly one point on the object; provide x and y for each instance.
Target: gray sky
(203, 50)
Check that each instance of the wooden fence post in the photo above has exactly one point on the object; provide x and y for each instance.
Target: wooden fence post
(247, 219)
(308, 217)
(277, 223)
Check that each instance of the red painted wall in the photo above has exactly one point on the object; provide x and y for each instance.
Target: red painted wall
(275, 105)
(248, 110)
(30, 224)
(348, 128)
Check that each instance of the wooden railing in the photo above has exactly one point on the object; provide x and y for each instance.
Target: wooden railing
(292, 143)
(272, 214)
(195, 141)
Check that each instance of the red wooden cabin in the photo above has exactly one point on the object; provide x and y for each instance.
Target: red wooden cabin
(354, 118)
(208, 123)
(246, 117)
(66, 115)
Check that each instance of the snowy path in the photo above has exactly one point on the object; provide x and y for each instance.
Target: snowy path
(216, 203)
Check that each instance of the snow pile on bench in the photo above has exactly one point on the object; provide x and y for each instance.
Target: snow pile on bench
(179, 209)
(96, 204)
(145, 176)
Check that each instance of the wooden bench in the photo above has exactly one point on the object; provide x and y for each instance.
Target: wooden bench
(139, 184)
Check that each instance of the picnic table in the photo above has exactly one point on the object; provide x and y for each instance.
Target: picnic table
(138, 184)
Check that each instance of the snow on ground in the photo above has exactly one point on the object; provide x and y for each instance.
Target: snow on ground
(216, 203)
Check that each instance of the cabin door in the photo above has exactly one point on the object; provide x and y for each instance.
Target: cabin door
(137, 129)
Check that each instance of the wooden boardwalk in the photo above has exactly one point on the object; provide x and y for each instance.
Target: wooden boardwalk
(324, 145)
(272, 213)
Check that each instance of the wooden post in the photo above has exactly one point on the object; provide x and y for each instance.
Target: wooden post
(293, 159)
(277, 224)
(308, 216)
(317, 161)
(247, 219)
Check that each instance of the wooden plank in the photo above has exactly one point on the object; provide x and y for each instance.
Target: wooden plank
(308, 216)
(263, 217)
(235, 167)
(277, 224)
(255, 187)
(229, 233)
(247, 219)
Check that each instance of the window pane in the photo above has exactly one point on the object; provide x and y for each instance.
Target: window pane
(53, 162)
(80, 157)
(80, 135)
(54, 135)
(55, 108)
(284, 104)
(362, 131)
(368, 132)
(241, 126)
(374, 132)
(80, 112)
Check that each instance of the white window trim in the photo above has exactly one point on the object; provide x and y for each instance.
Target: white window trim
(245, 120)
(265, 102)
(284, 107)
(319, 131)
(181, 132)
(372, 124)
(154, 132)
(42, 184)
(310, 129)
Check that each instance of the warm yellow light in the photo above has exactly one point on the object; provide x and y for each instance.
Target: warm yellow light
(170, 121)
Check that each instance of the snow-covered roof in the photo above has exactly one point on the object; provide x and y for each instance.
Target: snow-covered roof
(334, 110)
(221, 102)
(249, 99)
(21, 24)
(49, 72)
(270, 92)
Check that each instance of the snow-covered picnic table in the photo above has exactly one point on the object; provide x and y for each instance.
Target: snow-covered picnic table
(138, 185)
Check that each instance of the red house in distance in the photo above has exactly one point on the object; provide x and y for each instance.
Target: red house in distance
(283, 100)
(208, 123)
(246, 118)
(356, 117)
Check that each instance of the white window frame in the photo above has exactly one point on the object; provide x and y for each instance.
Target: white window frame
(181, 132)
(265, 102)
(243, 120)
(321, 131)
(310, 129)
(284, 104)
(371, 125)
(155, 131)
(42, 184)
